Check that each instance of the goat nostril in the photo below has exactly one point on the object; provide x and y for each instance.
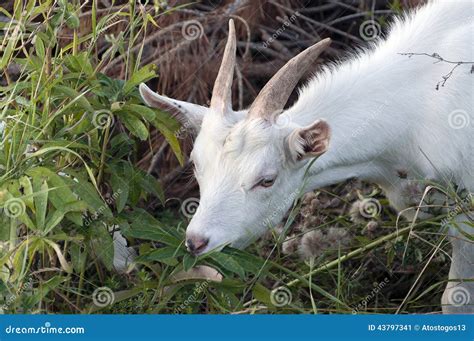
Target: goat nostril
(190, 245)
(196, 244)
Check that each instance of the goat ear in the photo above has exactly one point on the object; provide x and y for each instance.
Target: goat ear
(308, 142)
(188, 113)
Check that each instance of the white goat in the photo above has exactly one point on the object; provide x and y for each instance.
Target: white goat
(373, 116)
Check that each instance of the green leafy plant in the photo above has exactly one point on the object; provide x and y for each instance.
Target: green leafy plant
(69, 137)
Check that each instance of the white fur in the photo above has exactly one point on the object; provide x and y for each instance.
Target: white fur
(385, 116)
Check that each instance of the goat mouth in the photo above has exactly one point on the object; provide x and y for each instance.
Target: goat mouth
(198, 251)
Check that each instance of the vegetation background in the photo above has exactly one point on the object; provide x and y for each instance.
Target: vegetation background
(88, 173)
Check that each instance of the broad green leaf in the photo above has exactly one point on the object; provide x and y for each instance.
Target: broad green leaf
(151, 185)
(12, 41)
(102, 244)
(39, 46)
(262, 294)
(167, 255)
(20, 260)
(43, 151)
(228, 262)
(87, 192)
(172, 140)
(4, 274)
(167, 120)
(4, 231)
(72, 20)
(76, 206)
(80, 63)
(248, 261)
(27, 189)
(78, 257)
(66, 92)
(40, 186)
(188, 261)
(60, 193)
(134, 125)
(141, 110)
(142, 75)
(120, 190)
(144, 226)
(55, 218)
(75, 217)
(25, 219)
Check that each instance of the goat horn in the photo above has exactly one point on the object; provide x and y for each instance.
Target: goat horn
(274, 95)
(221, 100)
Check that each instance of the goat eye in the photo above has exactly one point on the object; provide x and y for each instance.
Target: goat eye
(266, 182)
